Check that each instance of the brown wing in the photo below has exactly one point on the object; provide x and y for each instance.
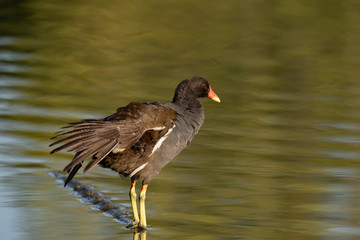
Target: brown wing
(99, 137)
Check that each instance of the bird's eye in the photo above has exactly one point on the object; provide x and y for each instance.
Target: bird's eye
(203, 85)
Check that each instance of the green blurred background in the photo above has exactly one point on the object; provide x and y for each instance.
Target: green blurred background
(277, 159)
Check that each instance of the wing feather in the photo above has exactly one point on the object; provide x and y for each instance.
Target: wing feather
(100, 156)
(94, 149)
(98, 137)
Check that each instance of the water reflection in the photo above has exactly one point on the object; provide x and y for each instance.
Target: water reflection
(7, 40)
(140, 235)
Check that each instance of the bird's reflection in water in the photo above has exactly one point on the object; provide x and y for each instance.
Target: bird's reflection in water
(139, 235)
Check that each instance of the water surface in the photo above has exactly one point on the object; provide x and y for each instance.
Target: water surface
(277, 159)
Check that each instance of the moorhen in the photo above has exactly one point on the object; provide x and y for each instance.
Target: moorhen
(138, 140)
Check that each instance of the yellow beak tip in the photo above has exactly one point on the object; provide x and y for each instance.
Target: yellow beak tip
(216, 99)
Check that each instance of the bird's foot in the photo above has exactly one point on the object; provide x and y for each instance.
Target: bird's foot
(133, 225)
(136, 225)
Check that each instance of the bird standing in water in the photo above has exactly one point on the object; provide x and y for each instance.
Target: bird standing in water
(138, 140)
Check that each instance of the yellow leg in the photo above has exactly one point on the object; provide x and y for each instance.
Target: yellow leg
(142, 206)
(143, 235)
(132, 194)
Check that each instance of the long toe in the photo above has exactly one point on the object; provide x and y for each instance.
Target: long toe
(133, 225)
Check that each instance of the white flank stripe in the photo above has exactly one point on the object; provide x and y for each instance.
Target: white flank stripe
(158, 128)
(161, 140)
(138, 169)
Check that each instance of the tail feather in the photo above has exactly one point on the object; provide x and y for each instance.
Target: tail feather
(72, 174)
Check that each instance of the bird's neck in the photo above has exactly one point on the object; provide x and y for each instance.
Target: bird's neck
(193, 109)
(187, 102)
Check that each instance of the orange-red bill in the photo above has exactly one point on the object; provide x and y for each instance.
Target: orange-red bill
(213, 95)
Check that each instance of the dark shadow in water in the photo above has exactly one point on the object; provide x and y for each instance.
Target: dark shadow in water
(96, 199)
